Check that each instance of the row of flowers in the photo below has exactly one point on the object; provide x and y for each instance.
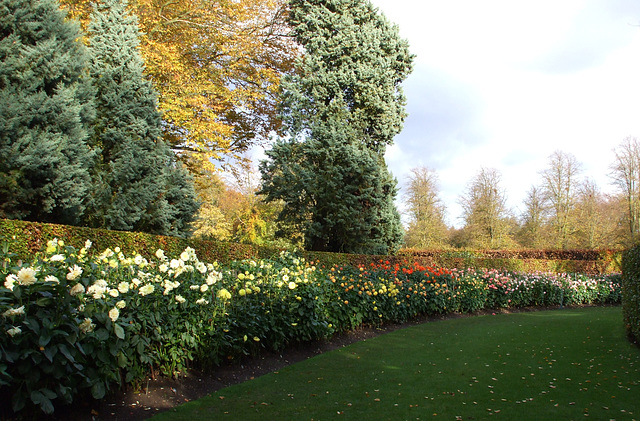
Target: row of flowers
(77, 321)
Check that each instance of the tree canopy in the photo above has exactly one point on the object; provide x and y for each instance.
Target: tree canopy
(45, 109)
(336, 192)
(139, 186)
(485, 212)
(216, 66)
(341, 108)
(353, 66)
(425, 210)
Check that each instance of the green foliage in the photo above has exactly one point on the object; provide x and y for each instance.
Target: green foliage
(631, 292)
(341, 108)
(52, 351)
(350, 73)
(45, 107)
(138, 185)
(75, 322)
(337, 193)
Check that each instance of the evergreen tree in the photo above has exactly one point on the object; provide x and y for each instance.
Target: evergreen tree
(45, 106)
(140, 186)
(353, 65)
(341, 108)
(337, 193)
(181, 199)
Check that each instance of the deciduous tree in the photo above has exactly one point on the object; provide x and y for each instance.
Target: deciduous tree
(625, 173)
(533, 231)
(560, 184)
(233, 211)
(210, 222)
(591, 232)
(486, 216)
(216, 65)
(427, 228)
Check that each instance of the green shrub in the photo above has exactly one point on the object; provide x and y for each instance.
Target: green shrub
(28, 239)
(76, 322)
(53, 345)
(631, 292)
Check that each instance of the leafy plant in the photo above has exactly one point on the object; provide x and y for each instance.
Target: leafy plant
(78, 322)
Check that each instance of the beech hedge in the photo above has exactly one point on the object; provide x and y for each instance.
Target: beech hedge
(27, 239)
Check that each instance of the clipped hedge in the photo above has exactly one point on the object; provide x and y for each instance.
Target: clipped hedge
(27, 239)
(631, 292)
(571, 261)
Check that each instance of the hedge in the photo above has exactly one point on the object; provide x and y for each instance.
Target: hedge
(27, 239)
(631, 292)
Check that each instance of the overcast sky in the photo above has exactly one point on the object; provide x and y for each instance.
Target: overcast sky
(503, 84)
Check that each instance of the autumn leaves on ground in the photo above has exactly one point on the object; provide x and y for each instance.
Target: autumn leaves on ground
(556, 364)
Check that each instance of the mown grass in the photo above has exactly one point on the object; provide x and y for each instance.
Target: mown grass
(558, 364)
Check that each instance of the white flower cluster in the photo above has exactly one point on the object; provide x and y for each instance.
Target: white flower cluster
(98, 289)
(12, 312)
(113, 281)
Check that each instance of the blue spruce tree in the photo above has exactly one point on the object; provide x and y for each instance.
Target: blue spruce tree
(140, 185)
(45, 108)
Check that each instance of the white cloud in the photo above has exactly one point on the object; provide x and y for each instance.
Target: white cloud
(503, 84)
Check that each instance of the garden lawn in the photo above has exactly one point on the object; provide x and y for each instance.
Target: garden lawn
(558, 364)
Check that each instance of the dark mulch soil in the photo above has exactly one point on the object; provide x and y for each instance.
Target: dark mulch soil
(163, 394)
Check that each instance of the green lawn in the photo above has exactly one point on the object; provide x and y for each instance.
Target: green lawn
(560, 364)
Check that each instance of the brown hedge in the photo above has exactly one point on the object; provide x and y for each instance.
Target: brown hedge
(27, 239)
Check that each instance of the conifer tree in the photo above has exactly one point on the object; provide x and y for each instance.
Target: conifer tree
(341, 108)
(45, 106)
(141, 188)
(336, 192)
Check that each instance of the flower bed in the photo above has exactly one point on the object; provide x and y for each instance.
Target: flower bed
(77, 322)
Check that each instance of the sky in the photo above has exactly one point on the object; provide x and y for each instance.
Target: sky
(503, 84)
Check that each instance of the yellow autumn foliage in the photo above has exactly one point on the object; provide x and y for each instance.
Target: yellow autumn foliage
(216, 65)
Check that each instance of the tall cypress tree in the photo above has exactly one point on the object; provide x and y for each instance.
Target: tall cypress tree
(45, 106)
(136, 166)
(341, 109)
